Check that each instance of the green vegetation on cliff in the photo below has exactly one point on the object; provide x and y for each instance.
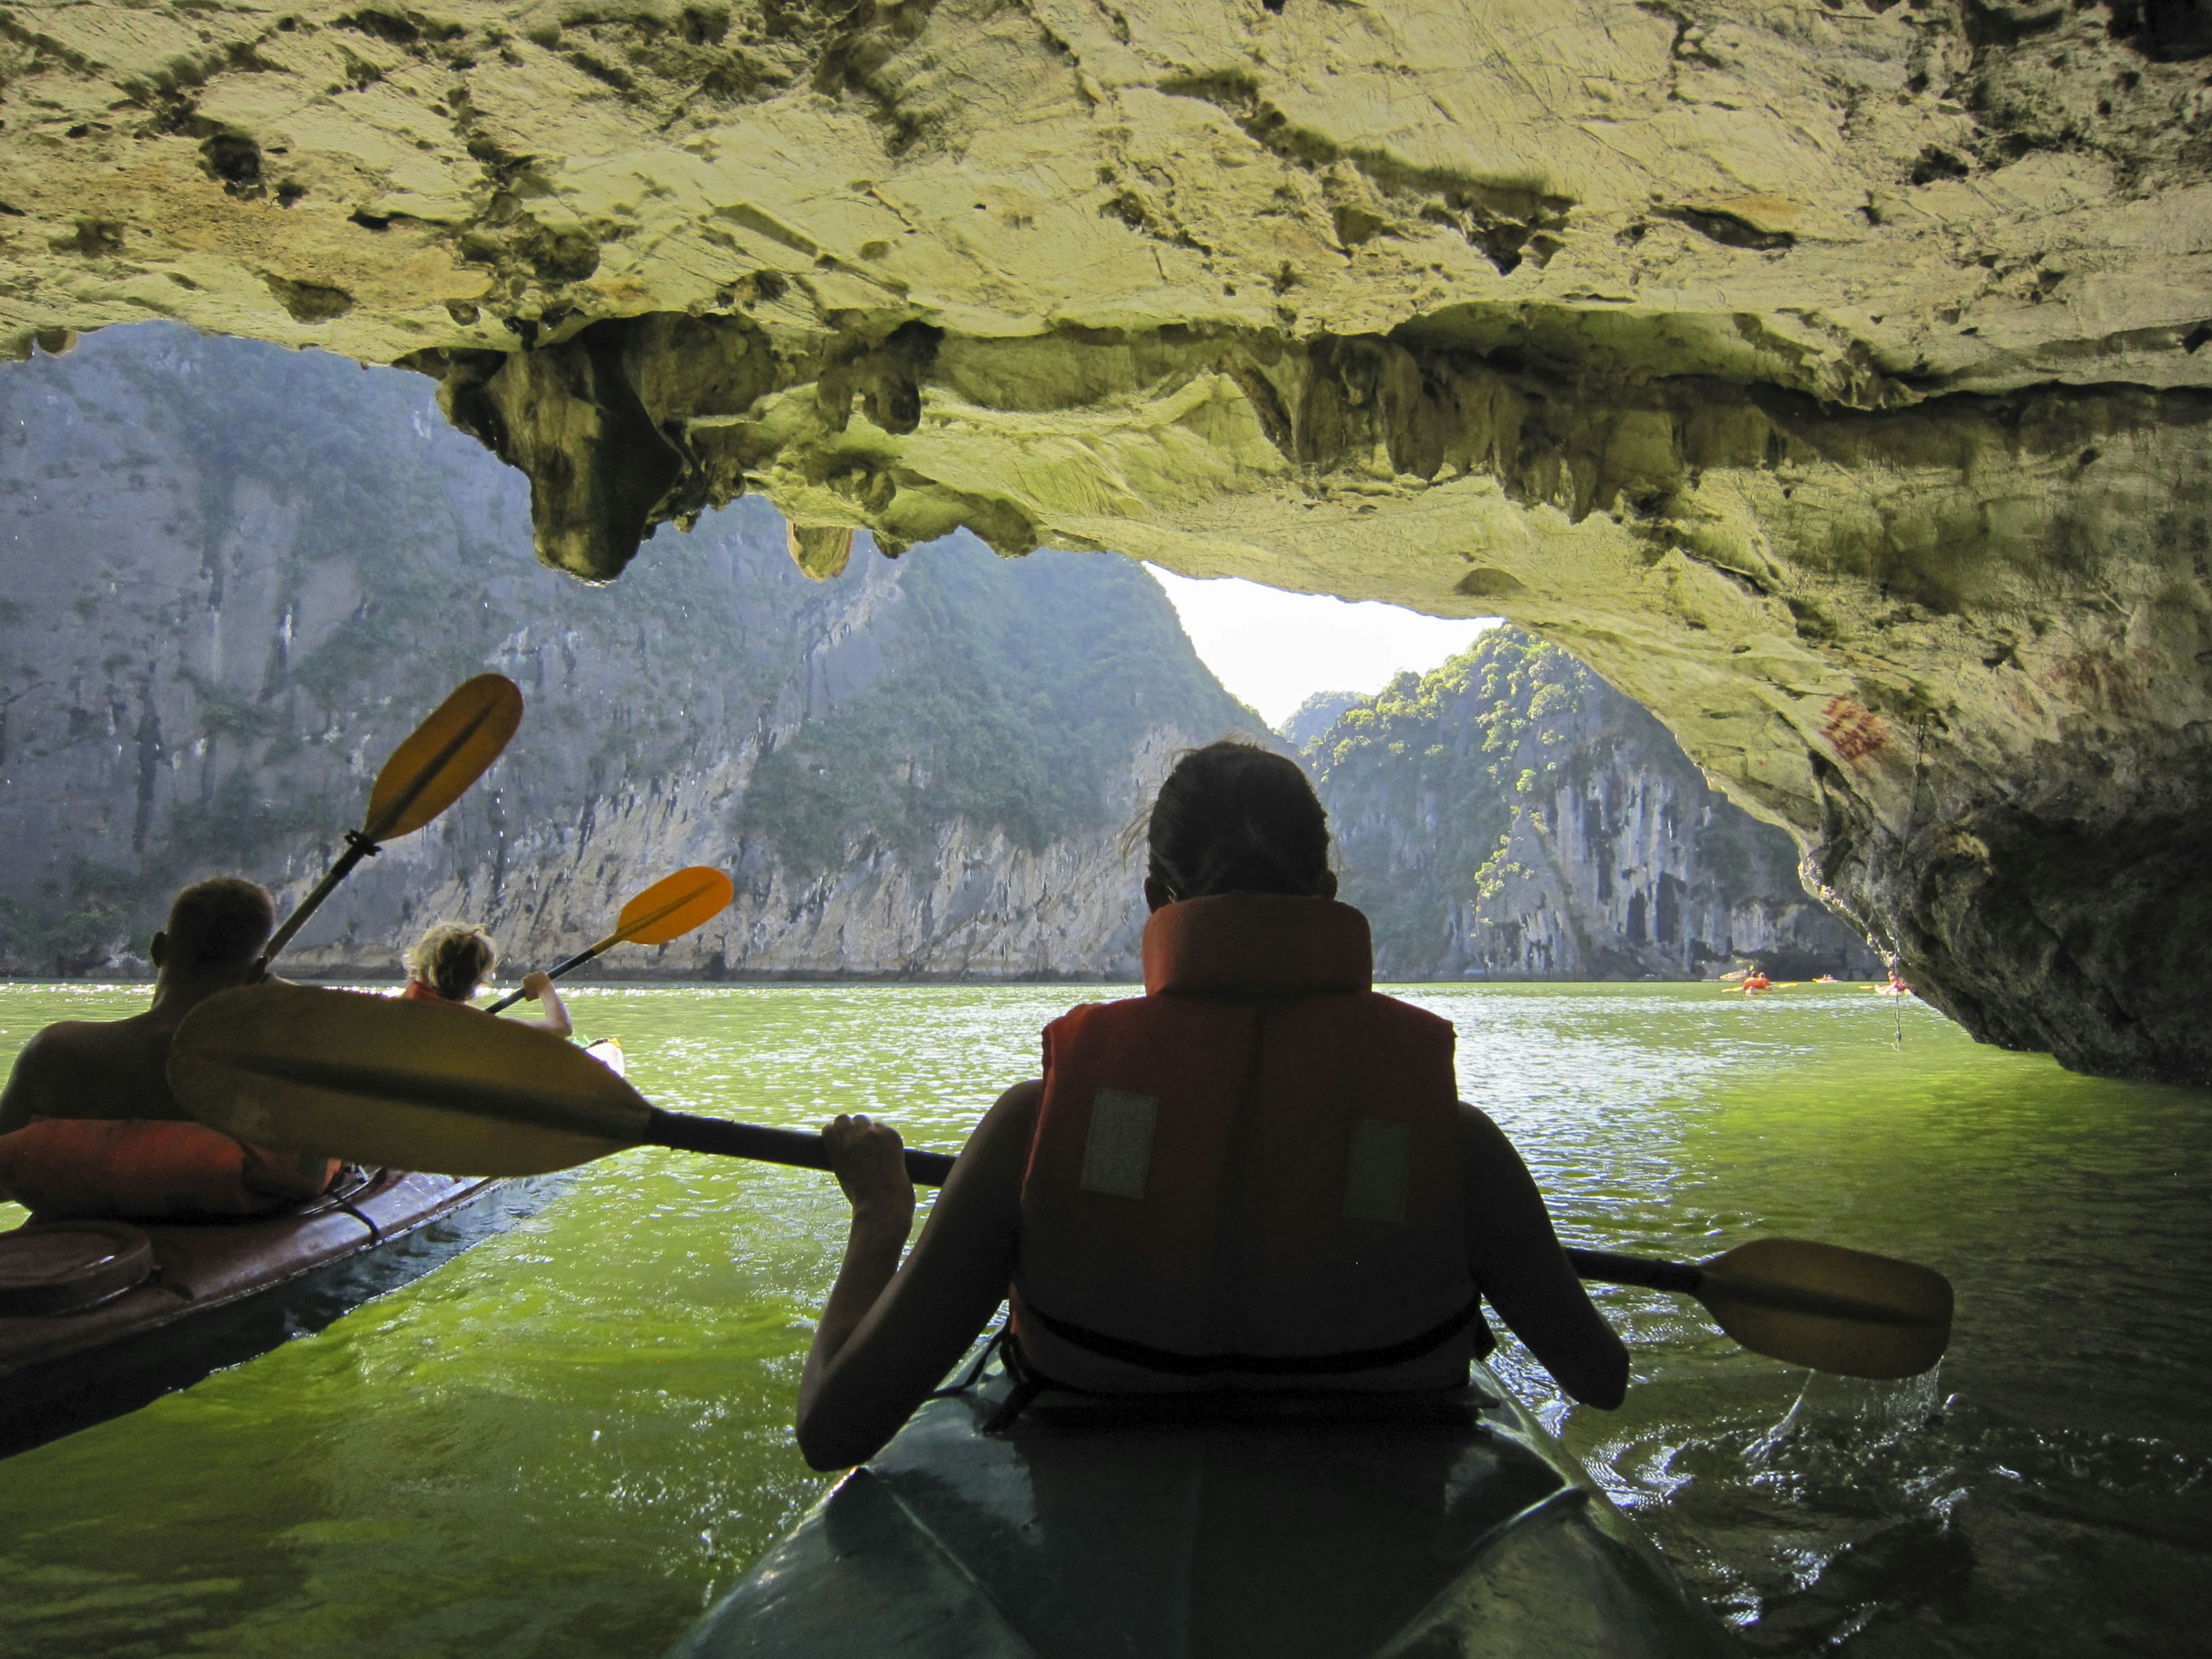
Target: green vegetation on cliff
(1471, 733)
(1511, 814)
(1013, 694)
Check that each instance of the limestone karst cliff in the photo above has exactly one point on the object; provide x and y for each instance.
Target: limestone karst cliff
(1315, 716)
(1830, 377)
(1509, 816)
(239, 574)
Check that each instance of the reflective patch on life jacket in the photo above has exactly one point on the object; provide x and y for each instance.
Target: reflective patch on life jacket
(1375, 1178)
(1118, 1150)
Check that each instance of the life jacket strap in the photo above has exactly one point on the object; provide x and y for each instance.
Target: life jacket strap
(1341, 1363)
(1026, 1383)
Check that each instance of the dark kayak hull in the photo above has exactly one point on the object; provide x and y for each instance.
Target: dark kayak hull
(222, 1292)
(1400, 1529)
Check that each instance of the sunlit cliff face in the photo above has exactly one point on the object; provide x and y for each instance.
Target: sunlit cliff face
(1829, 377)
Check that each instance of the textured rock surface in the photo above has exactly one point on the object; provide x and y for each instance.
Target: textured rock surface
(1509, 816)
(1829, 378)
(240, 575)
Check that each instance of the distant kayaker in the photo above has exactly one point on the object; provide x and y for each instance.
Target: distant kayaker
(1257, 1175)
(451, 963)
(117, 1068)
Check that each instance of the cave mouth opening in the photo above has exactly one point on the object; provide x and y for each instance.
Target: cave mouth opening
(324, 533)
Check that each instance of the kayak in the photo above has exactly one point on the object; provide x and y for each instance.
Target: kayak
(1301, 1527)
(99, 1317)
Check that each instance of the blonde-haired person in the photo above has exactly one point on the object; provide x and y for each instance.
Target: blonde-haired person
(453, 959)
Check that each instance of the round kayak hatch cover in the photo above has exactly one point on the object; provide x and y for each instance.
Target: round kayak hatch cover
(66, 1267)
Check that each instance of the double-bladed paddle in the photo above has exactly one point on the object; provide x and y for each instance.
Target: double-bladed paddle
(427, 773)
(418, 1087)
(666, 910)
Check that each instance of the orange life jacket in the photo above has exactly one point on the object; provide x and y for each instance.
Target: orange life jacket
(1248, 1177)
(420, 990)
(144, 1170)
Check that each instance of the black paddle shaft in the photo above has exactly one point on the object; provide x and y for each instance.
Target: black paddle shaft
(358, 846)
(800, 1150)
(554, 972)
(1608, 1268)
(795, 1147)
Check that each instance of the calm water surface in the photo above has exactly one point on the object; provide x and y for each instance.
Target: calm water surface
(566, 1441)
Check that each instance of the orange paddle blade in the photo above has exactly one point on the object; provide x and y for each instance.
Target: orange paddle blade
(444, 756)
(672, 908)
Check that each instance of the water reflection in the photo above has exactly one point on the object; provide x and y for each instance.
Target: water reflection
(568, 1441)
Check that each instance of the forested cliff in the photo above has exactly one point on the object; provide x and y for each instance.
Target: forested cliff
(1512, 815)
(239, 575)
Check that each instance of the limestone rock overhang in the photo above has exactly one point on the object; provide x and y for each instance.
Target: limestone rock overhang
(1829, 377)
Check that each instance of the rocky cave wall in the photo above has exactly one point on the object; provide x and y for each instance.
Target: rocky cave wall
(1828, 377)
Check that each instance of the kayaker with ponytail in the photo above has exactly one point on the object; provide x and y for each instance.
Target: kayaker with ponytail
(451, 963)
(1255, 1176)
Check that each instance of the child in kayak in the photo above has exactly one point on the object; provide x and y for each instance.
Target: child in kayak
(1257, 1175)
(453, 959)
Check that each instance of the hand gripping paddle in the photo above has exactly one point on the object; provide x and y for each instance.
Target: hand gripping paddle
(427, 773)
(418, 1085)
(668, 909)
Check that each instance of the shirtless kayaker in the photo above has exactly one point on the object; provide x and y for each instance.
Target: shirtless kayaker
(80, 1068)
(1256, 1176)
(453, 959)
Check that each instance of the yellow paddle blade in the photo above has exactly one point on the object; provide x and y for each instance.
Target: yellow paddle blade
(407, 1085)
(444, 756)
(1829, 1308)
(672, 908)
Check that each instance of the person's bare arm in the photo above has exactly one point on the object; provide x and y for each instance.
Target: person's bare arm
(889, 1333)
(26, 1095)
(1524, 1272)
(539, 986)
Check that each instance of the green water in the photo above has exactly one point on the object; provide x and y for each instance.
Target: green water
(568, 1441)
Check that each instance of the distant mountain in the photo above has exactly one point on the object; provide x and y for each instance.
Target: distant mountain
(1510, 815)
(1313, 717)
(237, 575)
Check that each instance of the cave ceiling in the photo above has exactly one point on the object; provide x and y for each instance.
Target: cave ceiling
(1829, 376)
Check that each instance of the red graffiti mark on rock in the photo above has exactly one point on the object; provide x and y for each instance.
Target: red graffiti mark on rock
(1853, 732)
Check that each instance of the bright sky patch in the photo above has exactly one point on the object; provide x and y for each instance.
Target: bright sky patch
(1274, 649)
